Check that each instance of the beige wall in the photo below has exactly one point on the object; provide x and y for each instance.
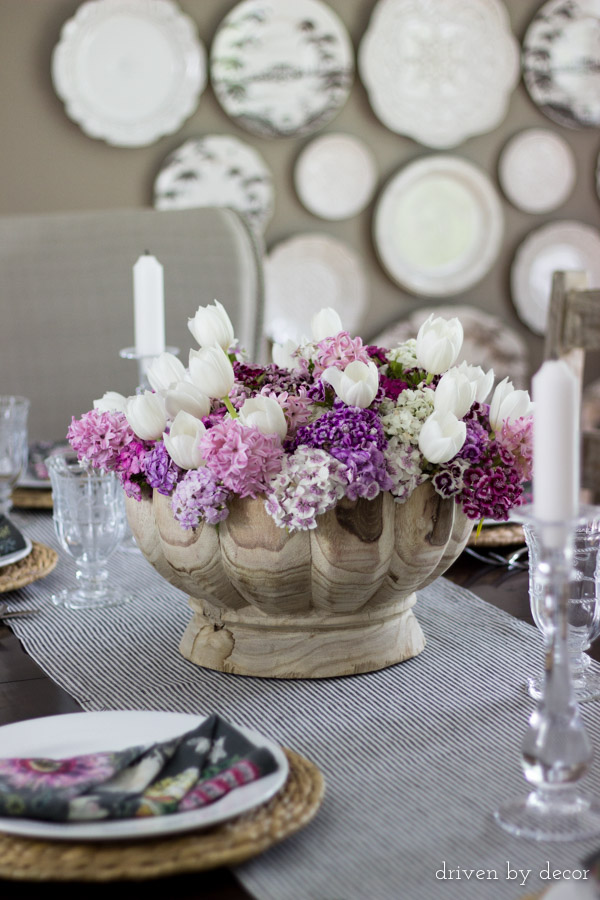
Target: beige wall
(48, 164)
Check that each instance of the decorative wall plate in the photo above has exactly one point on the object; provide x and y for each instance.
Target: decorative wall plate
(488, 342)
(305, 274)
(282, 69)
(561, 61)
(537, 170)
(559, 246)
(438, 226)
(439, 71)
(217, 170)
(335, 176)
(129, 71)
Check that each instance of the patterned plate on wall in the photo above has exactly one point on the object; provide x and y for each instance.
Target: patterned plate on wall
(282, 69)
(557, 247)
(438, 225)
(129, 71)
(217, 170)
(561, 61)
(488, 342)
(305, 274)
(537, 170)
(439, 71)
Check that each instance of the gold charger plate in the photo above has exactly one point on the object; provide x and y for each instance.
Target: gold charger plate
(37, 564)
(233, 842)
(497, 536)
(32, 498)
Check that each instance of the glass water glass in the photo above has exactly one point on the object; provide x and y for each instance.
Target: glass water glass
(583, 609)
(13, 446)
(89, 521)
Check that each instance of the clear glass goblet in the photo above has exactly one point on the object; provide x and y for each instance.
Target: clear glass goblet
(89, 521)
(583, 608)
(13, 446)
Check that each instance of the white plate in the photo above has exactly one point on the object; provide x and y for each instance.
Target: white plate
(335, 176)
(282, 69)
(58, 737)
(561, 62)
(488, 341)
(561, 246)
(439, 71)
(537, 170)
(217, 170)
(305, 274)
(129, 71)
(438, 226)
(17, 555)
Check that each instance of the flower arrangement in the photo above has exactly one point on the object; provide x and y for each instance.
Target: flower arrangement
(329, 419)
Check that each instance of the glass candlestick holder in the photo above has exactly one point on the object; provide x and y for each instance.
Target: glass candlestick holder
(556, 751)
(144, 361)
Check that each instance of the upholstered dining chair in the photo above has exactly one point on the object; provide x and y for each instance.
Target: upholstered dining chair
(573, 329)
(66, 298)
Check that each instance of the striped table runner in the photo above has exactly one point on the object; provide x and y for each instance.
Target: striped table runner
(416, 757)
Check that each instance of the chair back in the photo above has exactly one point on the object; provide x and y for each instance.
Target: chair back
(573, 329)
(66, 289)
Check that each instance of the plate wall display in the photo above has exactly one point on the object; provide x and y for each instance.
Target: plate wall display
(217, 170)
(558, 247)
(335, 176)
(282, 69)
(129, 71)
(439, 71)
(65, 736)
(561, 62)
(438, 225)
(488, 341)
(537, 170)
(305, 274)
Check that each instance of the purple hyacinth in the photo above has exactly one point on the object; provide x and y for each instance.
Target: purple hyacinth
(199, 495)
(160, 470)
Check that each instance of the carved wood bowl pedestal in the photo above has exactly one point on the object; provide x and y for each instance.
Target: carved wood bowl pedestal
(333, 601)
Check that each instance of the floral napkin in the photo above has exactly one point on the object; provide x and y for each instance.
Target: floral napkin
(178, 775)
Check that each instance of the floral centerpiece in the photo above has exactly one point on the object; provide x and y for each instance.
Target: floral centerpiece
(328, 425)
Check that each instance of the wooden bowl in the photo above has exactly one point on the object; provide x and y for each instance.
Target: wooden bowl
(333, 601)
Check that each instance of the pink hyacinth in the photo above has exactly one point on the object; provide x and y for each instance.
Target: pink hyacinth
(99, 437)
(517, 437)
(339, 351)
(242, 457)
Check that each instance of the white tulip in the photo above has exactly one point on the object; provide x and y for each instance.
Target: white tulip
(442, 436)
(454, 393)
(438, 344)
(211, 327)
(111, 401)
(183, 441)
(187, 397)
(483, 381)
(282, 354)
(264, 413)
(508, 405)
(164, 371)
(326, 323)
(146, 415)
(211, 371)
(357, 385)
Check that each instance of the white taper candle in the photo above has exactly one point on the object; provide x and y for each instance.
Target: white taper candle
(555, 442)
(148, 306)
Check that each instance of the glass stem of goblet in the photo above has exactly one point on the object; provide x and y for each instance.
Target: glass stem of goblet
(91, 577)
(556, 749)
(5, 497)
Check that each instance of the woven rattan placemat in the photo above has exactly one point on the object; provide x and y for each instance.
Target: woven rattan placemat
(32, 498)
(36, 564)
(26, 859)
(497, 536)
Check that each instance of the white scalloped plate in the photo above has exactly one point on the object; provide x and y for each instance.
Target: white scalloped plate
(305, 274)
(560, 246)
(438, 226)
(129, 71)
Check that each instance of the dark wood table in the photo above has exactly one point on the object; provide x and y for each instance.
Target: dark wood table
(26, 692)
